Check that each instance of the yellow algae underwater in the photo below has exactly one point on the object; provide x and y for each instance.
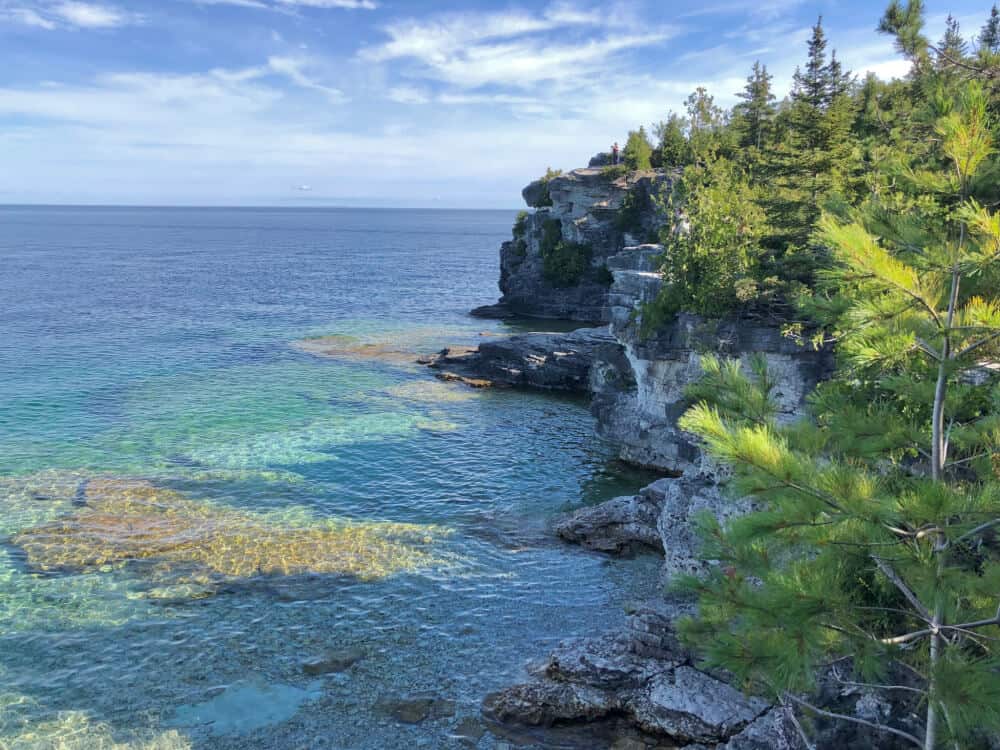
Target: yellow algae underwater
(123, 520)
(72, 730)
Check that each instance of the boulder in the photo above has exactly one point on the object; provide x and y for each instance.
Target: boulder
(773, 730)
(617, 525)
(691, 706)
(546, 702)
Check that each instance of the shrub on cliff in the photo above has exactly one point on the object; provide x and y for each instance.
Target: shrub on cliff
(545, 179)
(563, 263)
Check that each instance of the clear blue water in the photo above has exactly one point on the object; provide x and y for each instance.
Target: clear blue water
(156, 348)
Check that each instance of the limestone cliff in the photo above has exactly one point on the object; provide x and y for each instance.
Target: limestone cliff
(638, 388)
(556, 264)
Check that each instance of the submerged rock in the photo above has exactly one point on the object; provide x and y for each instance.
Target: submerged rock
(350, 348)
(415, 709)
(187, 540)
(333, 661)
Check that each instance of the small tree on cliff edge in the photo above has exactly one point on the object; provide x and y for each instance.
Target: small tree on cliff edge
(638, 150)
(876, 535)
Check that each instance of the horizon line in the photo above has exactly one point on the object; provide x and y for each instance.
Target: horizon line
(252, 206)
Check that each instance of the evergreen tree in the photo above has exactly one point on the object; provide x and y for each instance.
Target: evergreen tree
(813, 158)
(952, 48)
(989, 37)
(875, 537)
(638, 151)
(672, 148)
(756, 111)
(705, 121)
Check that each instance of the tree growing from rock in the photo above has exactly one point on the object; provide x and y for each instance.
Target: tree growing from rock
(876, 539)
(638, 150)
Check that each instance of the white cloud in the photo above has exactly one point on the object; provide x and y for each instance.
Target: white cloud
(291, 5)
(408, 95)
(26, 17)
(90, 16)
(68, 14)
(508, 49)
(294, 68)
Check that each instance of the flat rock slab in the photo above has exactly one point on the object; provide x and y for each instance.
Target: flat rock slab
(548, 361)
(244, 707)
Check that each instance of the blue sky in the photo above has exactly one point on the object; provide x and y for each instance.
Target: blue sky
(372, 102)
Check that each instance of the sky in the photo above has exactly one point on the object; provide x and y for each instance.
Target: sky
(374, 102)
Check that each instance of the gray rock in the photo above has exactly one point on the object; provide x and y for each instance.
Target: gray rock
(691, 706)
(606, 663)
(415, 708)
(772, 731)
(536, 194)
(549, 361)
(334, 661)
(615, 526)
(586, 203)
(545, 702)
(639, 391)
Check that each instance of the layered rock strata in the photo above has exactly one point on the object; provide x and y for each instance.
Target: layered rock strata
(596, 211)
(549, 361)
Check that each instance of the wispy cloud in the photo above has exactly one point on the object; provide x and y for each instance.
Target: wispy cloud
(289, 5)
(510, 48)
(68, 14)
(26, 17)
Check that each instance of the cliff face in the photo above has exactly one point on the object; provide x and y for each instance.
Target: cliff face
(638, 388)
(556, 264)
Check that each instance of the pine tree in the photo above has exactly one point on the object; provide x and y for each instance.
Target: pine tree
(952, 48)
(813, 158)
(672, 148)
(756, 111)
(989, 37)
(638, 150)
(875, 540)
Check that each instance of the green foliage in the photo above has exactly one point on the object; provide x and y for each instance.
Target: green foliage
(874, 535)
(672, 149)
(521, 224)
(566, 264)
(638, 150)
(712, 260)
(563, 263)
(629, 217)
(545, 179)
(604, 277)
(614, 171)
(520, 232)
(754, 115)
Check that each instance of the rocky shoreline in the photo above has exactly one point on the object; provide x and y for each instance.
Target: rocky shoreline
(642, 680)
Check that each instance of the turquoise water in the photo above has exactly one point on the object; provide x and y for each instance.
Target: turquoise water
(193, 507)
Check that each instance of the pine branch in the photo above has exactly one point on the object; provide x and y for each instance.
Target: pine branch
(978, 530)
(976, 344)
(900, 584)
(855, 719)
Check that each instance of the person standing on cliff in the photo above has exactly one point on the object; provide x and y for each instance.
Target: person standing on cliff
(614, 153)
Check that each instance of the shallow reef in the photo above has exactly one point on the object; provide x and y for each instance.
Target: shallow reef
(72, 730)
(115, 521)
